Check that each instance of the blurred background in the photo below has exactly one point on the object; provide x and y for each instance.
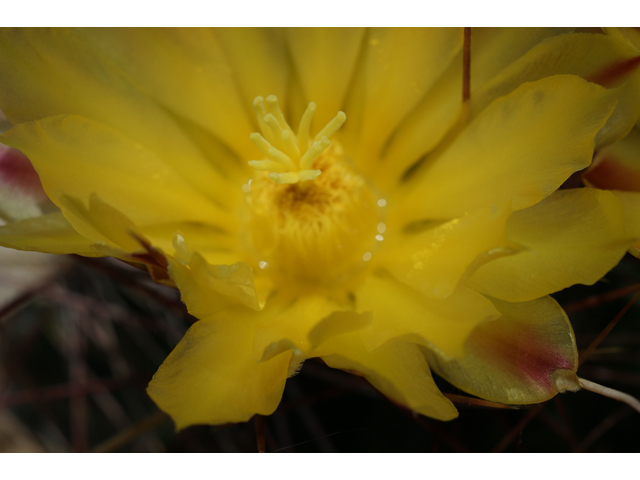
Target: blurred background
(80, 339)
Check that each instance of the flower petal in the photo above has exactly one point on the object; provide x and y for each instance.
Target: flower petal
(519, 150)
(75, 156)
(617, 167)
(573, 236)
(513, 359)
(631, 204)
(400, 311)
(436, 259)
(397, 369)
(586, 55)
(211, 377)
(136, 81)
(258, 57)
(320, 54)
(492, 49)
(287, 324)
(382, 96)
(49, 233)
(207, 289)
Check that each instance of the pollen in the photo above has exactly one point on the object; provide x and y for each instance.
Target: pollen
(289, 157)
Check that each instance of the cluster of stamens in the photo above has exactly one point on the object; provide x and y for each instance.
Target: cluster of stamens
(289, 157)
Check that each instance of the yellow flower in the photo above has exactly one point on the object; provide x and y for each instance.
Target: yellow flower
(421, 232)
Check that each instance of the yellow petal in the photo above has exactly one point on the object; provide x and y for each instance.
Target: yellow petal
(586, 55)
(101, 222)
(211, 377)
(513, 359)
(259, 60)
(216, 246)
(631, 204)
(49, 233)
(82, 78)
(519, 150)
(207, 289)
(397, 369)
(77, 157)
(492, 49)
(398, 66)
(573, 236)
(325, 59)
(287, 324)
(436, 259)
(400, 311)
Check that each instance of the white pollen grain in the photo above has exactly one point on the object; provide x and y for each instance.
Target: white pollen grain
(366, 257)
(263, 265)
(246, 188)
(382, 202)
(379, 238)
(382, 227)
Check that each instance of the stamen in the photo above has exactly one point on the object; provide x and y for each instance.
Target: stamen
(332, 127)
(314, 152)
(275, 127)
(280, 157)
(268, 166)
(274, 108)
(290, 144)
(261, 111)
(289, 177)
(288, 157)
(259, 141)
(305, 126)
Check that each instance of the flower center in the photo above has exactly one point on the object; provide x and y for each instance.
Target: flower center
(307, 234)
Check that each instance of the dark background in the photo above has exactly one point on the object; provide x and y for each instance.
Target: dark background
(77, 351)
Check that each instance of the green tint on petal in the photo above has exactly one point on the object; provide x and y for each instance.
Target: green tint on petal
(434, 261)
(324, 59)
(512, 359)
(400, 311)
(585, 55)
(211, 377)
(396, 69)
(75, 156)
(519, 150)
(397, 369)
(207, 289)
(49, 233)
(573, 236)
